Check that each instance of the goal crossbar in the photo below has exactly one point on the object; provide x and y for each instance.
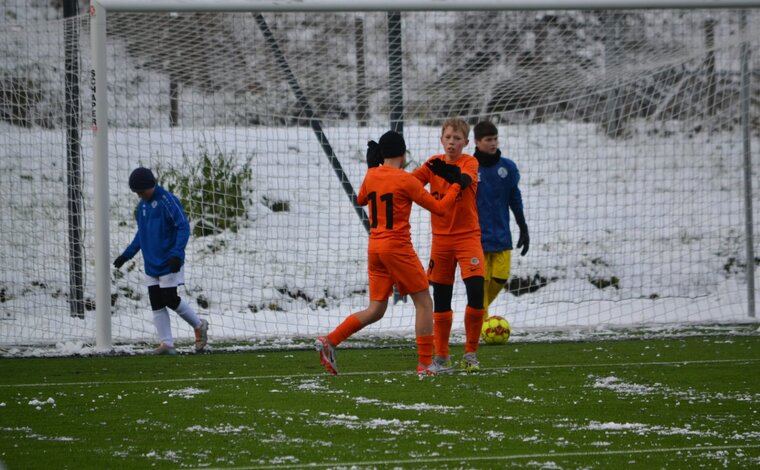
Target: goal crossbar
(411, 5)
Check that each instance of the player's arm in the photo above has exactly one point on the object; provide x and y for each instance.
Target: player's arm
(469, 173)
(514, 199)
(361, 198)
(374, 159)
(176, 215)
(183, 236)
(133, 247)
(130, 252)
(427, 201)
(515, 196)
(453, 173)
(178, 218)
(516, 205)
(423, 174)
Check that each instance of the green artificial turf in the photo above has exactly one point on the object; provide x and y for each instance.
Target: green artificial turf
(646, 403)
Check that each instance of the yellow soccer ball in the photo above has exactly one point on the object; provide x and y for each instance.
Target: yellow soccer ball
(495, 330)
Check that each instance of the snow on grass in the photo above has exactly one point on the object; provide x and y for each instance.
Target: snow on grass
(27, 433)
(644, 429)
(187, 392)
(403, 406)
(620, 387)
(220, 429)
(616, 385)
(390, 426)
(38, 404)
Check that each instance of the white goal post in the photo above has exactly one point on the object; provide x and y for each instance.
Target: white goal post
(98, 14)
(634, 125)
(410, 5)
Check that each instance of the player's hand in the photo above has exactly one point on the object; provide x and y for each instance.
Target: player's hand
(437, 166)
(524, 240)
(119, 261)
(451, 173)
(374, 158)
(174, 264)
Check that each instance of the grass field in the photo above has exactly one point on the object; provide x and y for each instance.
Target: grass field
(645, 403)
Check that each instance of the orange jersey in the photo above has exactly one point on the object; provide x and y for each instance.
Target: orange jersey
(390, 192)
(462, 219)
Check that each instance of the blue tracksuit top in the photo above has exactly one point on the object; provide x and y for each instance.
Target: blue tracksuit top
(497, 193)
(162, 232)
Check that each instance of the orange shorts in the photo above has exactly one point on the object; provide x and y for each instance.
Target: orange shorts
(447, 252)
(388, 268)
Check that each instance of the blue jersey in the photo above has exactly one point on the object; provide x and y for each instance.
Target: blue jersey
(162, 232)
(497, 194)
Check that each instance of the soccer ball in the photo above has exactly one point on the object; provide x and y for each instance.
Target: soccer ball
(495, 330)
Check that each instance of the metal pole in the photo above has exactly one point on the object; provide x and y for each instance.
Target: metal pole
(102, 255)
(746, 140)
(709, 26)
(362, 94)
(314, 121)
(73, 157)
(395, 88)
(395, 70)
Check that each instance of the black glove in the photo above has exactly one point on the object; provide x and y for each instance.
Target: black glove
(524, 240)
(119, 262)
(374, 156)
(174, 264)
(451, 173)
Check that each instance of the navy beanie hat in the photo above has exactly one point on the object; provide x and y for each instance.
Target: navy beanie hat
(141, 179)
(392, 145)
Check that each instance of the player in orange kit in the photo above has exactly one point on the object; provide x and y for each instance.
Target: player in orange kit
(456, 240)
(390, 191)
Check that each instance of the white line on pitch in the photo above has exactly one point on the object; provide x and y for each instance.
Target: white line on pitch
(548, 455)
(370, 373)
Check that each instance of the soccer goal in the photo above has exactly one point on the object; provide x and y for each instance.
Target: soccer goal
(635, 131)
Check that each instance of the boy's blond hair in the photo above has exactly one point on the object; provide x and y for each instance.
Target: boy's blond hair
(458, 125)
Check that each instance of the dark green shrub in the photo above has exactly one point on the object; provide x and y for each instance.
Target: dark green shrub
(213, 189)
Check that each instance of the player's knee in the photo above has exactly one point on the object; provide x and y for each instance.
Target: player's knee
(475, 294)
(156, 300)
(376, 310)
(442, 296)
(171, 299)
(422, 301)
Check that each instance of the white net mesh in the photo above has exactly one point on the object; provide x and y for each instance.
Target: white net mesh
(625, 126)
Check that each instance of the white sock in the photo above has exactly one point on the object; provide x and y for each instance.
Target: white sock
(163, 326)
(188, 314)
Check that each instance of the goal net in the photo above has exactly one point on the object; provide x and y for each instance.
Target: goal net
(626, 127)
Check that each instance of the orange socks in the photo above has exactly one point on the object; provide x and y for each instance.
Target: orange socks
(425, 349)
(473, 323)
(349, 326)
(441, 331)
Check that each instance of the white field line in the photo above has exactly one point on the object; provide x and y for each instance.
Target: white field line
(371, 373)
(421, 461)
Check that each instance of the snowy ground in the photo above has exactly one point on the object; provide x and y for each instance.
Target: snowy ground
(658, 216)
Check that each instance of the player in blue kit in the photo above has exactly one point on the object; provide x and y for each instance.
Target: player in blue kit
(162, 234)
(498, 193)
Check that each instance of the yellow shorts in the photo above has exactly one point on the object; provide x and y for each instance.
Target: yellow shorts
(498, 265)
